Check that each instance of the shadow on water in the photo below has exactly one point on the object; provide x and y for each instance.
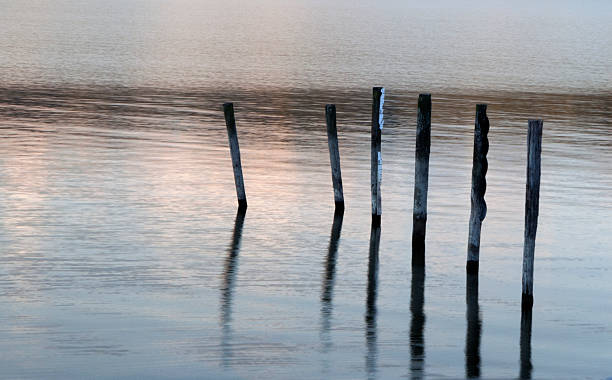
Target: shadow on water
(327, 288)
(526, 366)
(417, 324)
(370, 316)
(474, 328)
(227, 288)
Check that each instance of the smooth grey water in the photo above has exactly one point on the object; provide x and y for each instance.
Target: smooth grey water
(122, 254)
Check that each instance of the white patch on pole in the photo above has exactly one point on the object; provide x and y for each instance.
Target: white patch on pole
(381, 121)
(379, 168)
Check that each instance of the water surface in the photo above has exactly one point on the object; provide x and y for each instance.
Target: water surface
(122, 252)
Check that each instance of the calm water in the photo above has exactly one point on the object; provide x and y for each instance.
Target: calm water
(121, 252)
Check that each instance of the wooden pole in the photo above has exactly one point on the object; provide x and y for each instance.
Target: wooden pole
(334, 155)
(532, 203)
(232, 135)
(421, 177)
(479, 186)
(378, 100)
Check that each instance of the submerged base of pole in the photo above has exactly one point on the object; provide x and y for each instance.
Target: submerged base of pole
(472, 267)
(339, 211)
(339, 206)
(526, 302)
(418, 242)
(375, 220)
(418, 256)
(242, 205)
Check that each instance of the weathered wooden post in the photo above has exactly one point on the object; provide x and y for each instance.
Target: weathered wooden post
(532, 203)
(421, 177)
(232, 135)
(378, 100)
(334, 155)
(479, 186)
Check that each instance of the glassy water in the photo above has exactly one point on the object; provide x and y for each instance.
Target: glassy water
(121, 251)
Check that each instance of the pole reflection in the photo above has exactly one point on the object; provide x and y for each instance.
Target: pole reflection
(370, 316)
(329, 279)
(227, 288)
(417, 323)
(474, 328)
(526, 366)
